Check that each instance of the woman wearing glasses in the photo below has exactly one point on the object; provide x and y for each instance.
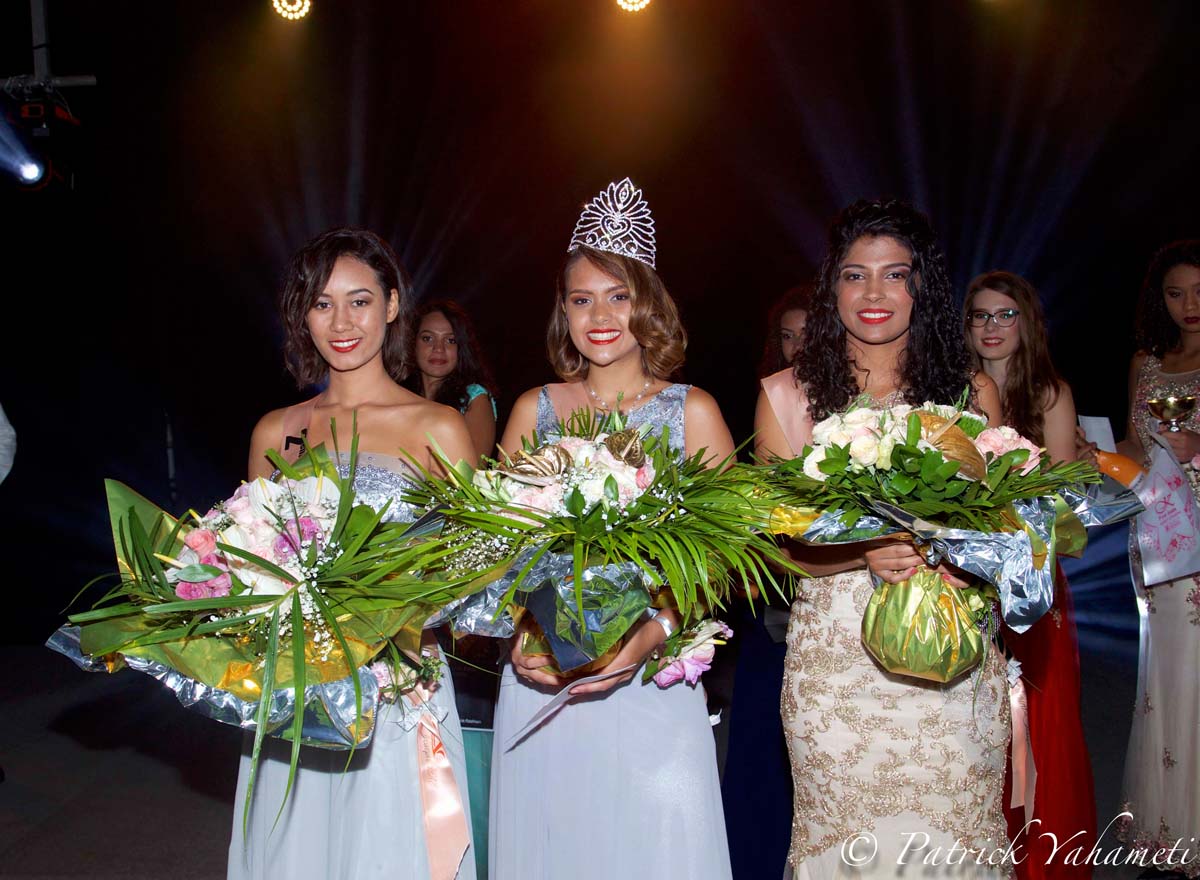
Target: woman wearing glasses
(1006, 331)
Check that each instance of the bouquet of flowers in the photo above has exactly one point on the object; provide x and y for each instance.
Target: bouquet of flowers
(265, 611)
(588, 529)
(984, 499)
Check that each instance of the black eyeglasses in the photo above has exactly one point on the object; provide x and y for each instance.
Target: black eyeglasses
(1001, 318)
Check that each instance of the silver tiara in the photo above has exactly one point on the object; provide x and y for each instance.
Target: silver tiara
(618, 221)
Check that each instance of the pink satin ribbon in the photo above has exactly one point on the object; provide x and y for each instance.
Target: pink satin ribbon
(1024, 772)
(446, 834)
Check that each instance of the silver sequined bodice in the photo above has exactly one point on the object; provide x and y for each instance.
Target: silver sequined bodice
(665, 409)
(378, 480)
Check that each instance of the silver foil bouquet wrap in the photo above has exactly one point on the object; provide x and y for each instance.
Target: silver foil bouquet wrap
(1019, 563)
(330, 718)
(614, 597)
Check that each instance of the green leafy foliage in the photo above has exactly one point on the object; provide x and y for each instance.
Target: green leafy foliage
(698, 531)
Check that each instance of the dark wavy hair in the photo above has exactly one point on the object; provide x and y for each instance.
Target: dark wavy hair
(471, 369)
(1033, 383)
(798, 298)
(307, 275)
(941, 368)
(1155, 332)
(654, 321)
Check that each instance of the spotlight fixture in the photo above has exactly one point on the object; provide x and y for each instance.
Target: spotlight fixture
(30, 172)
(633, 5)
(292, 10)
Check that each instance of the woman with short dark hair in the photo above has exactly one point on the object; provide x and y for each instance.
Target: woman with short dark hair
(344, 306)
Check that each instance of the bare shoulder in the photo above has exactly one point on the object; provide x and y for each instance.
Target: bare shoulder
(440, 418)
(982, 383)
(269, 428)
(705, 428)
(528, 400)
(267, 434)
(426, 416)
(1063, 396)
(1138, 361)
(701, 404)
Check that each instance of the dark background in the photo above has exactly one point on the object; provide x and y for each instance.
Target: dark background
(1056, 140)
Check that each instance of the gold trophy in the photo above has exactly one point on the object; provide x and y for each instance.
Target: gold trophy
(1171, 410)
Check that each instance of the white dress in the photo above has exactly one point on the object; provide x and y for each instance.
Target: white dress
(621, 784)
(364, 822)
(1162, 767)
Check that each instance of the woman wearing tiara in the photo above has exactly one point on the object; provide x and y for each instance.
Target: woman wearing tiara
(344, 307)
(880, 762)
(622, 782)
(1006, 332)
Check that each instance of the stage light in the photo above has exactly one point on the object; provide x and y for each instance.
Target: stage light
(292, 10)
(633, 5)
(30, 172)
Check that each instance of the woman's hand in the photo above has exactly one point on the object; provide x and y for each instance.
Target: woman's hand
(1185, 444)
(641, 641)
(1085, 450)
(893, 559)
(529, 667)
(896, 559)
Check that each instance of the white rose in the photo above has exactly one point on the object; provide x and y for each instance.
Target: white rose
(860, 418)
(810, 464)
(840, 437)
(824, 428)
(864, 450)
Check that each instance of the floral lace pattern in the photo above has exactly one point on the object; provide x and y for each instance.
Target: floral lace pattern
(1163, 759)
(870, 750)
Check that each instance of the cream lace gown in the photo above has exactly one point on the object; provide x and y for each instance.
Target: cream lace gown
(886, 769)
(1162, 766)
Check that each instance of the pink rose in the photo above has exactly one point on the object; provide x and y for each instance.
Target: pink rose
(669, 674)
(185, 590)
(213, 587)
(238, 508)
(383, 674)
(202, 541)
(544, 499)
(573, 445)
(1004, 439)
(296, 533)
(644, 476)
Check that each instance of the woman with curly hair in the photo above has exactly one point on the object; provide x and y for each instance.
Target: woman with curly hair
(1163, 761)
(885, 768)
(450, 368)
(1006, 331)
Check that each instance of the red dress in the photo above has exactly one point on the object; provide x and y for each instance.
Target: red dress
(1064, 799)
